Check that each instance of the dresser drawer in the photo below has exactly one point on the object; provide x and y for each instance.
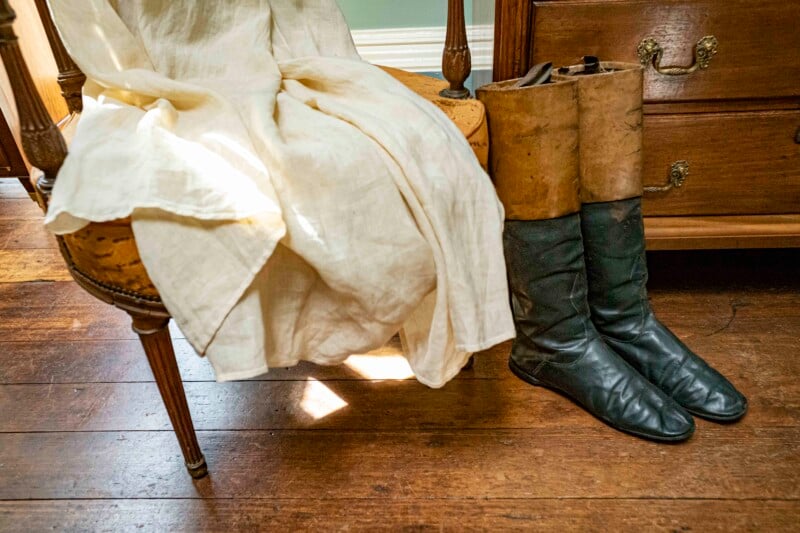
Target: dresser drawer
(738, 163)
(758, 52)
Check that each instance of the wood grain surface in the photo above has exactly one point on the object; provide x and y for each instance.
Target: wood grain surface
(734, 122)
(85, 442)
(739, 163)
(517, 514)
(751, 62)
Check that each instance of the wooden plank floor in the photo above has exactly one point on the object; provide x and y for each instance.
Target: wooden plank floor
(85, 443)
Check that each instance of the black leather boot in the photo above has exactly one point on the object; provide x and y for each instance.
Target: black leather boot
(558, 347)
(613, 236)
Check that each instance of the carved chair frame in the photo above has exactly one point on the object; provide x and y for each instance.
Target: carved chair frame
(46, 150)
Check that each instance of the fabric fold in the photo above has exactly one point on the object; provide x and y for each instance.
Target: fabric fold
(290, 201)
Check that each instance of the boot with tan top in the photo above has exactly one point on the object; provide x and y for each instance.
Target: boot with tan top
(610, 104)
(534, 160)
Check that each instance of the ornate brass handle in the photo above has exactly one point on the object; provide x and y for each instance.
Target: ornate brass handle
(650, 51)
(677, 176)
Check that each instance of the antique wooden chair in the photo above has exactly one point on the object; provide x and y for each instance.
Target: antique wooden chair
(103, 258)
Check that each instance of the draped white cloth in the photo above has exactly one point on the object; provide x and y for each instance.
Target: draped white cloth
(290, 201)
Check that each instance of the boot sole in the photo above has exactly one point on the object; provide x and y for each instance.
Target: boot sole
(527, 378)
(717, 418)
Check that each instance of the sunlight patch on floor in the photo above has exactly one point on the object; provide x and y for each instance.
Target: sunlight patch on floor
(393, 367)
(387, 363)
(319, 401)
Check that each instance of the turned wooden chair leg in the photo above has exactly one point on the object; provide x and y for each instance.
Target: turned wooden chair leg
(154, 334)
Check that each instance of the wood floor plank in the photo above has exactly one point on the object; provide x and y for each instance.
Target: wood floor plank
(720, 462)
(90, 362)
(706, 313)
(58, 311)
(124, 361)
(407, 514)
(20, 209)
(755, 363)
(763, 311)
(20, 266)
(25, 234)
(350, 405)
(11, 188)
(343, 405)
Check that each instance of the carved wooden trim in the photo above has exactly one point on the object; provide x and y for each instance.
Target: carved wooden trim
(154, 335)
(514, 23)
(457, 59)
(70, 77)
(42, 142)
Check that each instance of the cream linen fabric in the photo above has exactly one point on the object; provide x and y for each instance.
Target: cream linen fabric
(290, 201)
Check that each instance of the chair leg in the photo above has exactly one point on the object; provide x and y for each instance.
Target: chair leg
(154, 334)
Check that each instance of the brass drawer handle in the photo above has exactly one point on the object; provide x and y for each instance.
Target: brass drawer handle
(677, 176)
(650, 51)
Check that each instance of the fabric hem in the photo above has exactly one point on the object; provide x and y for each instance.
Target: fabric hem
(237, 295)
(55, 226)
(448, 376)
(241, 375)
(485, 345)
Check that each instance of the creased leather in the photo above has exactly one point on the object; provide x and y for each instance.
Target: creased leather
(613, 235)
(558, 347)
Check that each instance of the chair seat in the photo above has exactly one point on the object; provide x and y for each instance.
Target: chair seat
(468, 115)
(106, 253)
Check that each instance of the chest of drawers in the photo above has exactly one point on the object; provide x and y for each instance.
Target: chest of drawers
(722, 105)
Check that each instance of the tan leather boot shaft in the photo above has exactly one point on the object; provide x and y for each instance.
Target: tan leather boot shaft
(610, 104)
(534, 147)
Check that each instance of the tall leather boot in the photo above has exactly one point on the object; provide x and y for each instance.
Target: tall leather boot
(610, 96)
(534, 161)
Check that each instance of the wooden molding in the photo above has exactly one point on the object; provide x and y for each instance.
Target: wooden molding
(41, 140)
(721, 232)
(420, 49)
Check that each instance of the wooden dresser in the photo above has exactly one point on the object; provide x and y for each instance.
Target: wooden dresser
(722, 130)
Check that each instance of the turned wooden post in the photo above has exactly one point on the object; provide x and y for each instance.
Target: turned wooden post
(42, 142)
(154, 334)
(457, 60)
(70, 77)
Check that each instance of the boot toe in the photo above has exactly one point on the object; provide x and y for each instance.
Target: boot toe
(609, 388)
(677, 424)
(724, 404)
(660, 418)
(683, 375)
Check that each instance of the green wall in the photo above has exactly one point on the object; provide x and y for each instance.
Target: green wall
(369, 14)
